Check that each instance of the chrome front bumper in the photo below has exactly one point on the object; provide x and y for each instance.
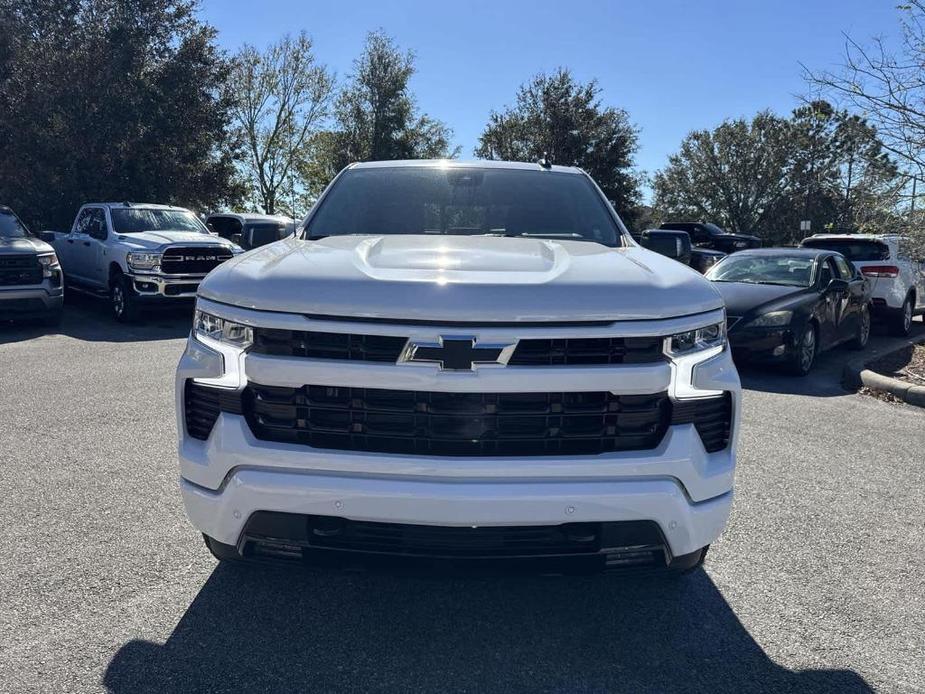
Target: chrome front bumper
(166, 286)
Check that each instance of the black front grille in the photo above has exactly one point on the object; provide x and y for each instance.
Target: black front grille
(588, 350)
(17, 270)
(712, 418)
(456, 424)
(388, 348)
(399, 539)
(193, 260)
(320, 345)
(203, 404)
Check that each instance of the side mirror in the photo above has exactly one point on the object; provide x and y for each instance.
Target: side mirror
(837, 286)
(671, 244)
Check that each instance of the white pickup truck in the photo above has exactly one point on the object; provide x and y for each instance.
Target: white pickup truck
(458, 360)
(136, 253)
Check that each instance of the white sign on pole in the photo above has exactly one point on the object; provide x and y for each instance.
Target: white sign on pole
(805, 225)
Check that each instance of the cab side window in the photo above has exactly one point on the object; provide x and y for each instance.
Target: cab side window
(96, 224)
(80, 226)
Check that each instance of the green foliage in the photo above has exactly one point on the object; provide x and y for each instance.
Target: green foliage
(375, 116)
(556, 115)
(111, 99)
(767, 175)
(281, 96)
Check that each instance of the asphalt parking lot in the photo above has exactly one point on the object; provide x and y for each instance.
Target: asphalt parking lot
(816, 586)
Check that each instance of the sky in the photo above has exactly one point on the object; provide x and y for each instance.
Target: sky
(673, 66)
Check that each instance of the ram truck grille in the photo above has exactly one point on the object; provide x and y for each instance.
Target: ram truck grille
(456, 424)
(17, 270)
(193, 260)
(388, 348)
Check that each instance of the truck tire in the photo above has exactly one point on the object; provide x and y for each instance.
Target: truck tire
(688, 563)
(900, 322)
(123, 300)
(224, 553)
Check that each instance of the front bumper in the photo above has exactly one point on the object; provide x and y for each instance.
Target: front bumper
(30, 302)
(165, 287)
(762, 344)
(231, 476)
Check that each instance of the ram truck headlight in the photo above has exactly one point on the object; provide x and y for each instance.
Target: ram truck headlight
(50, 264)
(142, 260)
(774, 319)
(222, 330)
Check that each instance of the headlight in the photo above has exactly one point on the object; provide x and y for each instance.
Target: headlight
(49, 263)
(139, 260)
(694, 341)
(774, 319)
(222, 330)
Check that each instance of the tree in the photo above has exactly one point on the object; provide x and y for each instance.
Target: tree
(557, 116)
(888, 87)
(736, 175)
(765, 177)
(376, 117)
(111, 99)
(282, 96)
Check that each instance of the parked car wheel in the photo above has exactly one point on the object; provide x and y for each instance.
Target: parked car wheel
(860, 341)
(123, 300)
(900, 323)
(804, 353)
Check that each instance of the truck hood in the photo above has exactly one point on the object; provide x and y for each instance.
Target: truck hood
(26, 246)
(152, 240)
(441, 278)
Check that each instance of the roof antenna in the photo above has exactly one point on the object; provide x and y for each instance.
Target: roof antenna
(544, 161)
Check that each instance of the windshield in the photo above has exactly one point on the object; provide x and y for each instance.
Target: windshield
(464, 201)
(792, 271)
(137, 219)
(11, 227)
(853, 249)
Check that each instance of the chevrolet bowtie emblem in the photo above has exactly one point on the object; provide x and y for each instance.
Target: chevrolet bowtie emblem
(456, 353)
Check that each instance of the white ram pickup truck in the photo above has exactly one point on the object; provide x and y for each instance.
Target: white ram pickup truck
(138, 253)
(459, 361)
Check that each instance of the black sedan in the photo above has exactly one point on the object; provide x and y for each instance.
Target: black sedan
(786, 305)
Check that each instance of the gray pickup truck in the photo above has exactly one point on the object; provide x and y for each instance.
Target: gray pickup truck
(138, 253)
(30, 276)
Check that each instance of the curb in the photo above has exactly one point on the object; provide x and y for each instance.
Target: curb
(856, 374)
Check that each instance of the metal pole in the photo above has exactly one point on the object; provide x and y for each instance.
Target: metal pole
(912, 206)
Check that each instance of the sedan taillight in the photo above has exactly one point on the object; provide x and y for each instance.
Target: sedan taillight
(880, 271)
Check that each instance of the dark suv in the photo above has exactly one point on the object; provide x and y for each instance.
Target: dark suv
(707, 235)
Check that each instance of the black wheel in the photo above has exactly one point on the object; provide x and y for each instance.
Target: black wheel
(901, 320)
(688, 563)
(860, 340)
(804, 352)
(221, 551)
(123, 300)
